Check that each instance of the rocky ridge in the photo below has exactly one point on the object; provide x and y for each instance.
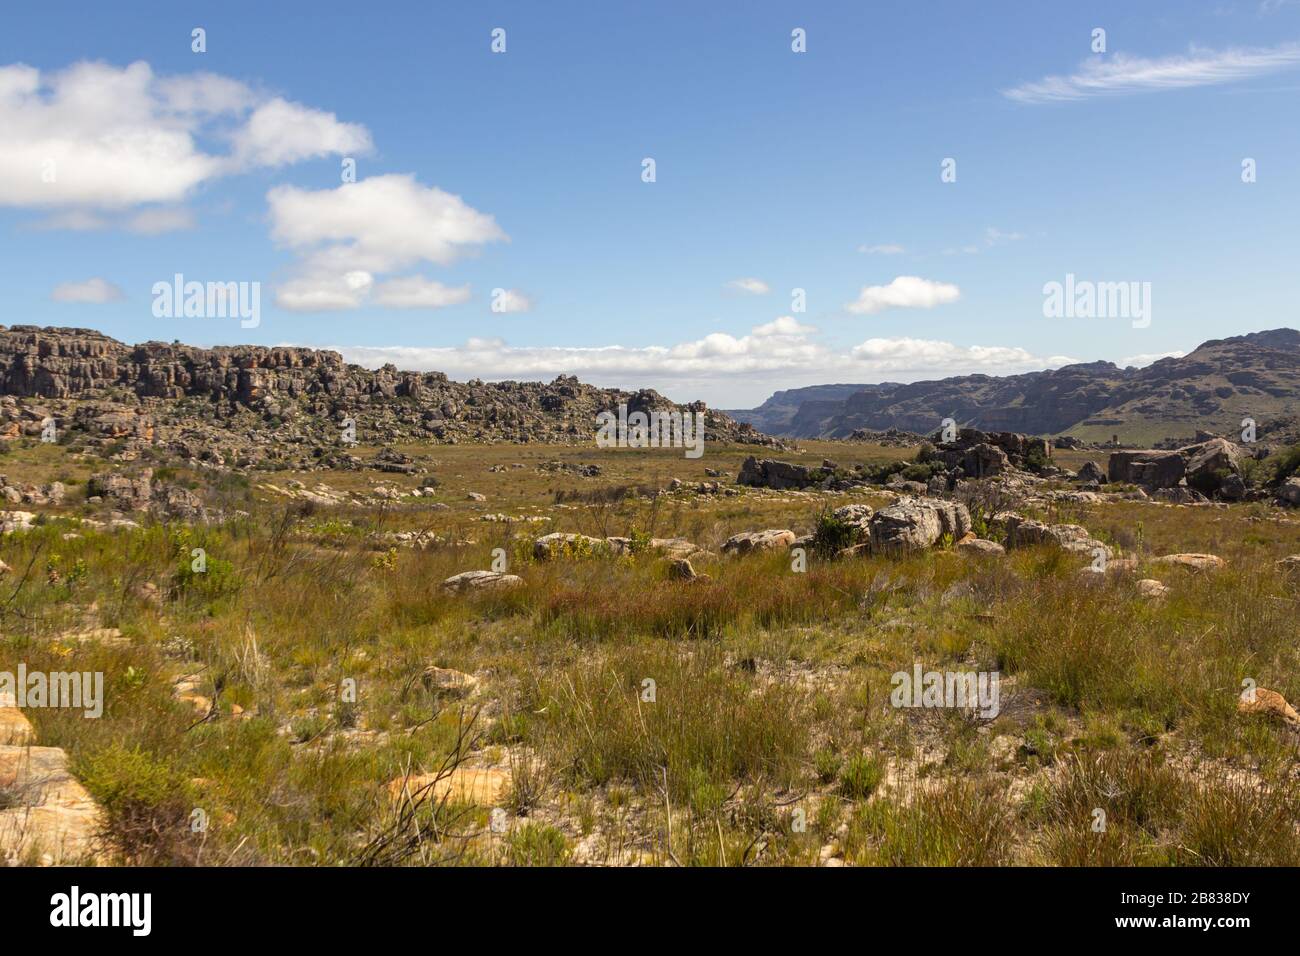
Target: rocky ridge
(240, 405)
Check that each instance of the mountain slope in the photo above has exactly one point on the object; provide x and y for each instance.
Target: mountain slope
(1212, 389)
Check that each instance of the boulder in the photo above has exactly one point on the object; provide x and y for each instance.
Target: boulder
(682, 570)
(561, 544)
(980, 547)
(1196, 562)
(1288, 493)
(128, 492)
(772, 539)
(11, 521)
(448, 681)
(1091, 471)
(1232, 488)
(1210, 463)
(1022, 532)
(482, 581)
(481, 786)
(1152, 589)
(917, 524)
(858, 516)
(1269, 703)
(1151, 469)
(770, 473)
(1288, 565)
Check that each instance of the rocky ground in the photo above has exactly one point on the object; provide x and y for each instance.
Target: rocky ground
(413, 651)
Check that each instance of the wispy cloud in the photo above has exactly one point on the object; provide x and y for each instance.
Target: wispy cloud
(884, 249)
(92, 291)
(751, 285)
(993, 236)
(1121, 74)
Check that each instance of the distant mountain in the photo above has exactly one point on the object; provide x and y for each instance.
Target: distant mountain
(778, 412)
(1212, 389)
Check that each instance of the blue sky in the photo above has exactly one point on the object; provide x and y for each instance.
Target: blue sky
(774, 170)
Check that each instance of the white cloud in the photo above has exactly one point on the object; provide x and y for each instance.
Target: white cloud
(905, 292)
(280, 132)
(510, 300)
(752, 286)
(783, 325)
(782, 347)
(99, 137)
(884, 249)
(92, 291)
(416, 292)
(322, 293)
(1146, 358)
(380, 224)
(911, 356)
(1123, 74)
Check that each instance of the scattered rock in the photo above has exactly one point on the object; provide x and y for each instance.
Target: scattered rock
(682, 570)
(916, 524)
(1091, 471)
(980, 547)
(565, 544)
(56, 820)
(1288, 493)
(1151, 588)
(1269, 703)
(482, 581)
(1288, 565)
(448, 681)
(770, 473)
(770, 540)
(481, 786)
(1023, 532)
(1197, 562)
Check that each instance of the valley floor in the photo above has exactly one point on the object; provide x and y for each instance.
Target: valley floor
(310, 693)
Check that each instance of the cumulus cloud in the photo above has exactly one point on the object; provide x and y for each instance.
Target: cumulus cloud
(783, 325)
(279, 132)
(905, 292)
(380, 224)
(92, 291)
(782, 346)
(750, 285)
(99, 137)
(510, 300)
(324, 293)
(1121, 74)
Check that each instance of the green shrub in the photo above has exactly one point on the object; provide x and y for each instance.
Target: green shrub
(146, 802)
